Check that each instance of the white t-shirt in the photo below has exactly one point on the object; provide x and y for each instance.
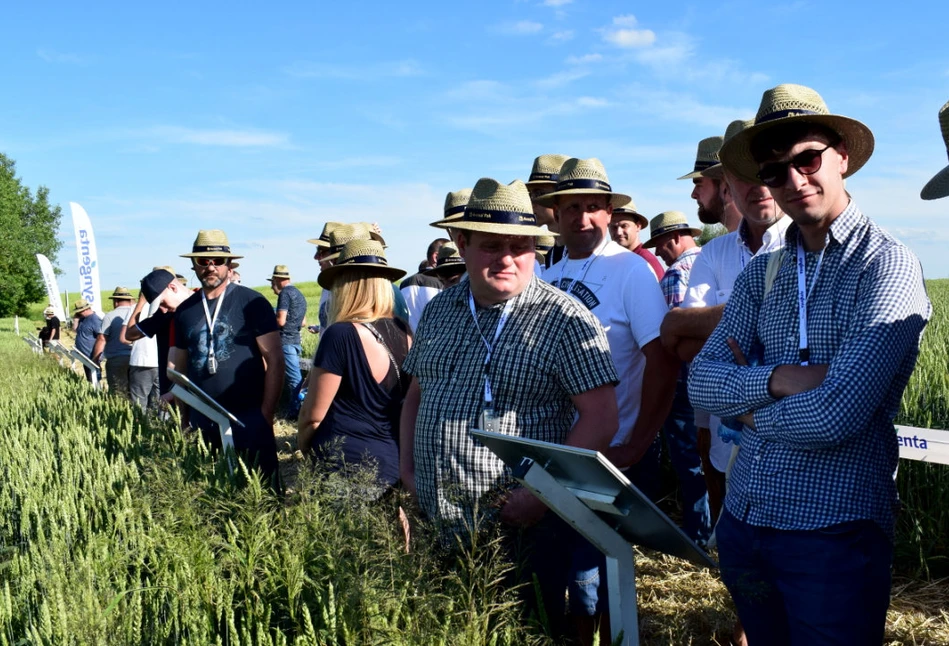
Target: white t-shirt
(621, 290)
(145, 351)
(416, 298)
(710, 283)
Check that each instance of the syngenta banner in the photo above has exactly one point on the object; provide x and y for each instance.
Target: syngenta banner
(89, 289)
(52, 288)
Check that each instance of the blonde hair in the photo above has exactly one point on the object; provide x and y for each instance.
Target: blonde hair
(361, 296)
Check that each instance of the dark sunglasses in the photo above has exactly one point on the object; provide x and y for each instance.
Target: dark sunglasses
(210, 262)
(775, 174)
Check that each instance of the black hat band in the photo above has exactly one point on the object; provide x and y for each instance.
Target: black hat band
(206, 248)
(596, 184)
(701, 165)
(543, 177)
(370, 260)
(783, 114)
(669, 227)
(454, 210)
(499, 217)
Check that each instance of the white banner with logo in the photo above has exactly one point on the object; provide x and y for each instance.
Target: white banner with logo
(923, 444)
(89, 289)
(52, 288)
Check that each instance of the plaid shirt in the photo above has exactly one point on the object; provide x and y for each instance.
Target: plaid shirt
(675, 282)
(550, 349)
(827, 455)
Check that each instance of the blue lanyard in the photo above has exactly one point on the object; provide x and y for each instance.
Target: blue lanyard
(505, 313)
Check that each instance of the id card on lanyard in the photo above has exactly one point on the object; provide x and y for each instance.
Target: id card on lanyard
(488, 420)
(803, 293)
(211, 320)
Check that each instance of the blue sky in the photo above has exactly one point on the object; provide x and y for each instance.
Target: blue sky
(268, 119)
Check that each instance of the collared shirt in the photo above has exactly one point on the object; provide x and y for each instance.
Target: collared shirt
(827, 455)
(675, 281)
(551, 348)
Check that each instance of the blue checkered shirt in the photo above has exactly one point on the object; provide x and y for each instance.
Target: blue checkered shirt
(675, 282)
(827, 455)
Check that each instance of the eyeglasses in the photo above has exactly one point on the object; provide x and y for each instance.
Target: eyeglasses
(775, 174)
(210, 262)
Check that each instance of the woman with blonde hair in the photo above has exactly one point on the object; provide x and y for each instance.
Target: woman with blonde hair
(356, 386)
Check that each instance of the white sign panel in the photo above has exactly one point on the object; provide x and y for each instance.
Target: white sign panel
(52, 288)
(88, 258)
(923, 444)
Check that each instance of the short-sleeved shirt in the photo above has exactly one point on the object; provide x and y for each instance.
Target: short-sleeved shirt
(675, 281)
(418, 290)
(51, 331)
(621, 291)
(238, 384)
(86, 331)
(650, 258)
(292, 301)
(110, 328)
(364, 412)
(550, 349)
(161, 326)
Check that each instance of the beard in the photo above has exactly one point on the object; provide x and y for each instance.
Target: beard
(210, 280)
(712, 214)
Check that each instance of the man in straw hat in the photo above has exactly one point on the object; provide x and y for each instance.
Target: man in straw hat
(50, 331)
(938, 186)
(620, 290)
(625, 225)
(291, 317)
(706, 189)
(684, 330)
(228, 343)
(503, 351)
(543, 180)
(109, 343)
(455, 203)
(418, 289)
(87, 324)
(449, 266)
(812, 356)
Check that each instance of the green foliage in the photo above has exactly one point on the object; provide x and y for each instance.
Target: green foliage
(709, 232)
(28, 226)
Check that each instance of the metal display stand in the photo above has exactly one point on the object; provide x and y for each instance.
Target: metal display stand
(88, 363)
(35, 344)
(65, 358)
(186, 390)
(595, 498)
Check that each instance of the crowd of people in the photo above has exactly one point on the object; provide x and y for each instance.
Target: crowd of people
(753, 360)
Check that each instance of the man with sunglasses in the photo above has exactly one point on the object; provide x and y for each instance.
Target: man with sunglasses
(812, 355)
(227, 341)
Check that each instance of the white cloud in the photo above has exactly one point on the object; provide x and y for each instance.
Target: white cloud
(556, 3)
(585, 59)
(212, 137)
(629, 38)
(560, 79)
(562, 36)
(629, 20)
(519, 28)
(592, 102)
(52, 56)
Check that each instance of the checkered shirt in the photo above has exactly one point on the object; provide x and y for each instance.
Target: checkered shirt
(675, 282)
(550, 349)
(827, 455)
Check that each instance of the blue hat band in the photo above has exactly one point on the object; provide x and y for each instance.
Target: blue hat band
(499, 217)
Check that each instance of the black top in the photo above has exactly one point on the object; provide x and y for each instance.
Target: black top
(238, 383)
(160, 325)
(421, 280)
(293, 302)
(51, 331)
(364, 413)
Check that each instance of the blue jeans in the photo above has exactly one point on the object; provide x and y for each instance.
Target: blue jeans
(292, 378)
(681, 439)
(828, 586)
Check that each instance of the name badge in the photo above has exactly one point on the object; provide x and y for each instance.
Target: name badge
(488, 421)
(212, 365)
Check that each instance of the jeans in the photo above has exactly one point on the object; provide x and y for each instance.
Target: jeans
(292, 378)
(828, 586)
(681, 440)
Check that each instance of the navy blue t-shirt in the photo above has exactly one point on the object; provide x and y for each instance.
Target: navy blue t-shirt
(86, 332)
(293, 302)
(238, 384)
(364, 413)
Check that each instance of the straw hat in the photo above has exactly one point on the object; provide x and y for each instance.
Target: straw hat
(211, 243)
(718, 171)
(584, 177)
(122, 294)
(666, 222)
(498, 208)
(706, 156)
(345, 233)
(938, 186)
(372, 227)
(49, 311)
(795, 103)
(448, 263)
(365, 255)
(629, 212)
(455, 203)
(546, 170)
(80, 306)
(280, 271)
(542, 247)
(324, 239)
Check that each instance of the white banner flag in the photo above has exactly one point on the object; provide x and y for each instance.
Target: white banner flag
(89, 289)
(924, 444)
(52, 289)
